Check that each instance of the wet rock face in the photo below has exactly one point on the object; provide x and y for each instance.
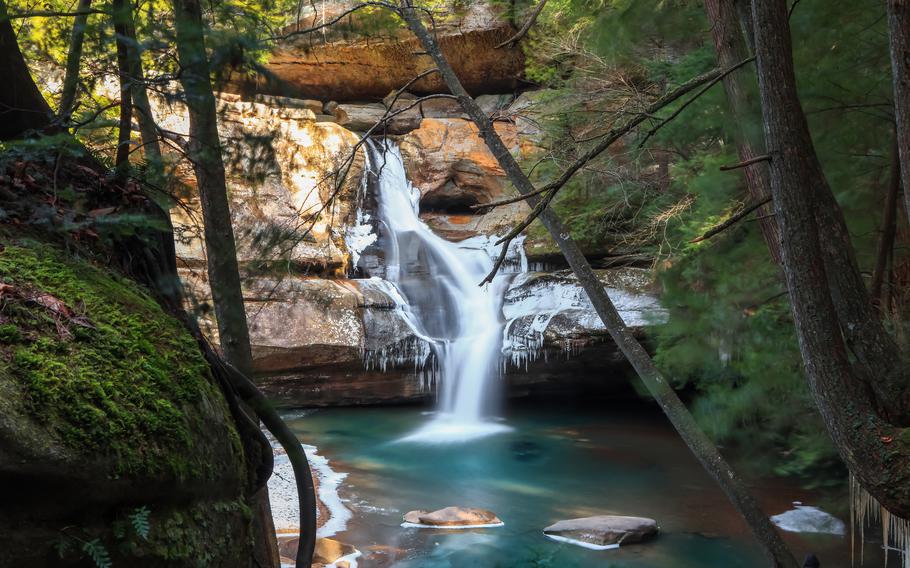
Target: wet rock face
(604, 530)
(359, 60)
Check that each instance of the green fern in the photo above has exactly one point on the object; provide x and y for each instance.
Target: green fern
(63, 546)
(140, 521)
(98, 553)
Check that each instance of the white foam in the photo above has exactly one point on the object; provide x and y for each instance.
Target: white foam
(408, 525)
(445, 430)
(806, 519)
(582, 543)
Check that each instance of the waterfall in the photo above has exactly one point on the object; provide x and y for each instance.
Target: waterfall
(439, 279)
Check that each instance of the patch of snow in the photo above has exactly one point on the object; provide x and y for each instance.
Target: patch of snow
(283, 492)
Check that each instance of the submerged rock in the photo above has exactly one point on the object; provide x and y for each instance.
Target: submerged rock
(605, 530)
(453, 517)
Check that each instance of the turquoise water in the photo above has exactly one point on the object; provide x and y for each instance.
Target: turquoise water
(556, 463)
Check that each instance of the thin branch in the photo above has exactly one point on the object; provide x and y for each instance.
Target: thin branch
(746, 163)
(329, 23)
(731, 221)
(512, 41)
(53, 14)
(694, 97)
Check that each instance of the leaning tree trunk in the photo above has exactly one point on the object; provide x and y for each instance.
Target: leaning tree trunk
(73, 59)
(22, 108)
(731, 48)
(899, 32)
(204, 151)
(703, 449)
(873, 449)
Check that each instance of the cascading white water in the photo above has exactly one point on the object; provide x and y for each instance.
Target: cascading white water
(440, 281)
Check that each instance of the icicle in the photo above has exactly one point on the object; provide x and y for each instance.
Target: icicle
(866, 510)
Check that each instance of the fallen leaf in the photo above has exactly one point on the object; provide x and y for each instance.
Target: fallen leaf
(101, 211)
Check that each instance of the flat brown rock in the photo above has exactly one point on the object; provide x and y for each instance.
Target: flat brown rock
(458, 516)
(604, 530)
(414, 516)
(327, 550)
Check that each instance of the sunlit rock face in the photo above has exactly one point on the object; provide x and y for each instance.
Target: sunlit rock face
(369, 54)
(292, 184)
(451, 166)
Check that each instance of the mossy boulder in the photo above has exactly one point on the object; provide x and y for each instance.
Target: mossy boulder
(107, 406)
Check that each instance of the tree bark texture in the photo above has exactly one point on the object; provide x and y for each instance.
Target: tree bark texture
(703, 449)
(22, 107)
(899, 35)
(872, 448)
(742, 97)
(885, 248)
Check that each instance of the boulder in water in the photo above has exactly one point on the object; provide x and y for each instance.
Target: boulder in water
(414, 516)
(453, 517)
(604, 530)
(327, 550)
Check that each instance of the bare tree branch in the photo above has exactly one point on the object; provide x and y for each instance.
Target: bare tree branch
(731, 221)
(53, 14)
(746, 163)
(513, 41)
(683, 106)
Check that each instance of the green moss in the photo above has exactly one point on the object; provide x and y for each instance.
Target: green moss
(201, 535)
(120, 385)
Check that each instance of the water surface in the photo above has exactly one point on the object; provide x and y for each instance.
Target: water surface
(554, 464)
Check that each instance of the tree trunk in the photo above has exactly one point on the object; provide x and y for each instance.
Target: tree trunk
(73, 58)
(868, 340)
(899, 32)
(122, 16)
(204, 151)
(148, 131)
(871, 447)
(888, 231)
(22, 108)
(703, 449)
(731, 48)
